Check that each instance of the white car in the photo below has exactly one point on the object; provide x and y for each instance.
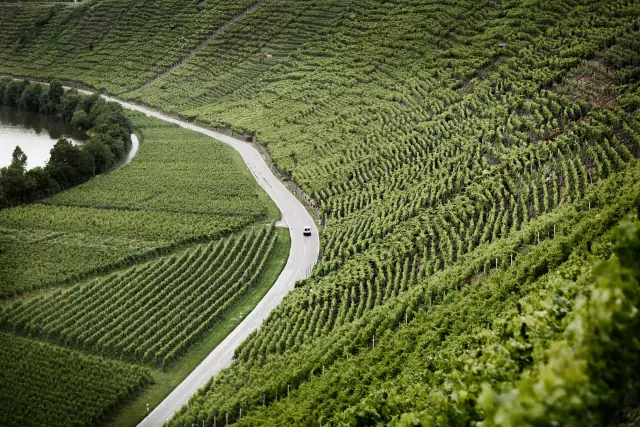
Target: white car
(306, 231)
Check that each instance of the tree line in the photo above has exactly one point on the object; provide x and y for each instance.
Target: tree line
(69, 165)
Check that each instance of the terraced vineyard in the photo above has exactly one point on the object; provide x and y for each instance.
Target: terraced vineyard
(424, 153)
(121, 45)
(62, 387)
(152, 312)
(471, 162)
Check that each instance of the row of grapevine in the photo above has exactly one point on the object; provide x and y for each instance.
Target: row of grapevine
(112, 45)
(241, 54)
(327, 366)
(416, 172)
(41, 384)
(182, 187)
(151, 313)
(456, 150)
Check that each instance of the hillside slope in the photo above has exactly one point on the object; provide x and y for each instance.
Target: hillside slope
(471, 160)
(113, 44)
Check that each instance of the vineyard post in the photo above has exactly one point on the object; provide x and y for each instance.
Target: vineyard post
(496, 262)
(227, 420)
(202, 423)
(406, 317)
(554, 231)
(240, 413)
(264, 399)
(374, 341)
(511, 259)
(214, 421)
(276, 395)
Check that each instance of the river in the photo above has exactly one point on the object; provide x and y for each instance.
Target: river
(36, 134)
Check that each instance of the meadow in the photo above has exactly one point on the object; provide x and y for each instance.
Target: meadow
(475, 166)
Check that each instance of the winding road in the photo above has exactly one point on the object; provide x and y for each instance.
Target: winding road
(302, 256)
(135, 146)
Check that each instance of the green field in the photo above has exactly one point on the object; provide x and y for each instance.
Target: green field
(42, 385)
(152, 264)
(473, 163)
(116, 45)
(182, 187)
(153, 312)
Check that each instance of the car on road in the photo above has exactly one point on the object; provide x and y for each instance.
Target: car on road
(306, 231)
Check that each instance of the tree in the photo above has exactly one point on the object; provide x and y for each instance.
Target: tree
(15, 185)
(55, 92)
(80, 120)
(44, 185)
(12, 93)
(70, 103)
(4, 82)
(18, 159)
(88, 102)
(103, 158)
(69, 165)
(30, 98)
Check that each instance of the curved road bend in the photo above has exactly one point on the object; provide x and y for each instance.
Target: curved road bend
(135, 146)
(302, 256)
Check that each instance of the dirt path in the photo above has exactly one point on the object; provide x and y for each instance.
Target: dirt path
(202, 45)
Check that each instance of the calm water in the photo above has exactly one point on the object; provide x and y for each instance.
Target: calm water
(35, 133)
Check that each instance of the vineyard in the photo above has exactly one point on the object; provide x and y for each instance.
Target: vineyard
(48, 378)
(119, 45)
(180, 188)
(140, 272)
(153, 312)
(475, 167)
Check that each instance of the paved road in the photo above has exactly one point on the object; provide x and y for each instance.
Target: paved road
(302, 256)
(135, 146)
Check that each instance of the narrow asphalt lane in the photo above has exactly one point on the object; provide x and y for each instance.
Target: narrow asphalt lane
(302, 256)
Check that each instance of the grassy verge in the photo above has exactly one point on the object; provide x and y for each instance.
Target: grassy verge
(134, 411)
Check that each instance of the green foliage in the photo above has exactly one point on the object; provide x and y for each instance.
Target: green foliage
(583, 375)
(463, 182)
(69, 165)
(152, 312)
(182, 187)
(113, 45)
(63, 387)
(80, 120)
